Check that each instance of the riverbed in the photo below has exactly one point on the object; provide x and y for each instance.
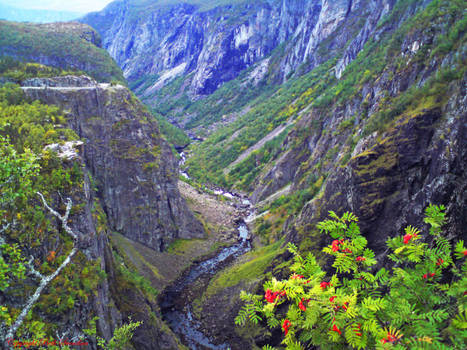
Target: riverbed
(175, 302)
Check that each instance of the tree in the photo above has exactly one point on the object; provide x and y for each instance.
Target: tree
(120, 339)
(44, 280)
(16, 183)
(17, 173)
(419, 304)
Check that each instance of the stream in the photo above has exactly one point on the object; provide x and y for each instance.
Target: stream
(176, 307)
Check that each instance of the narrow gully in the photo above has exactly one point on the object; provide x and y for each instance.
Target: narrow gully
(176, 308)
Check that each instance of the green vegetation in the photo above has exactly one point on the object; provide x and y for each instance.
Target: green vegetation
(256, 263)
(120, 339)
(26, 227)
(418, 304)
(30, 125)
(130, 274)
(30, 42)
(171, 133)
(181, 246)
(265, 114)
(320, 93)
(17, 71)
(145, 6)
(138, 258)
(247, 170)
(291, 204)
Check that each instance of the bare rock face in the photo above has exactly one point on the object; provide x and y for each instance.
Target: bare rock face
(132, 167)
(67, 151)
(113, 300)
(389, 184)
(212, 45)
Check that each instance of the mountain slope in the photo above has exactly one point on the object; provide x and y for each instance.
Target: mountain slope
(134, 169)
(351, 106)
(46, 43)
(384, 140)
(216, 42)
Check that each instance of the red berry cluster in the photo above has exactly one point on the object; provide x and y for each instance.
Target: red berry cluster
(296, 277)
(324, 285)
(360, 258)
(439, 262)
(426, 275)
(336, 308)
(302, 306)
(408, 237)
(465, 252)
(335, 246)
(358, 331)
(335, 329)
(271, 297)
(389, 339)
(346, 304)
(286, 325)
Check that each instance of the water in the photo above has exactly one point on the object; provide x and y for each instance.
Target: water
(175, 310)
(182, 323)
(179, 315)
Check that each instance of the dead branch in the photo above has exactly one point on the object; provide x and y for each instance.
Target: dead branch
(45, 280)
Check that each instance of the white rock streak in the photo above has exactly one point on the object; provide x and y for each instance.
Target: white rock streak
(45, 280)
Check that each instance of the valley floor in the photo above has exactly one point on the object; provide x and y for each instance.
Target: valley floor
(162, 268)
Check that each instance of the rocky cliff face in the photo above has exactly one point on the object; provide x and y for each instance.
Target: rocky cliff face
(389, 176)
(94, 245)
(212, 46)
(113, 299)
(132, 167)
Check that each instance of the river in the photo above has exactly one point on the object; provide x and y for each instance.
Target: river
(175, 305)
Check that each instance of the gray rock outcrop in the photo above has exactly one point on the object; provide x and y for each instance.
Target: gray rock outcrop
(133, 168)
(213, 45)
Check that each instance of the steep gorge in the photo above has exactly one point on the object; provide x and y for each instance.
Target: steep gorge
(355, 105)
(305, 106)
(209, 45)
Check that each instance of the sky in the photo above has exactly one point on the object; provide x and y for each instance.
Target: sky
(82, 6)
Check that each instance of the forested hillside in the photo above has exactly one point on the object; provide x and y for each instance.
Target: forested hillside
(65, 45)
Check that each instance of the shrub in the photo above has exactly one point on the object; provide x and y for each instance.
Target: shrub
(419, 303)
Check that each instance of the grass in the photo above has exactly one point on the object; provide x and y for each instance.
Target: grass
(257, 261)
(134, 254)
(183, 246)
